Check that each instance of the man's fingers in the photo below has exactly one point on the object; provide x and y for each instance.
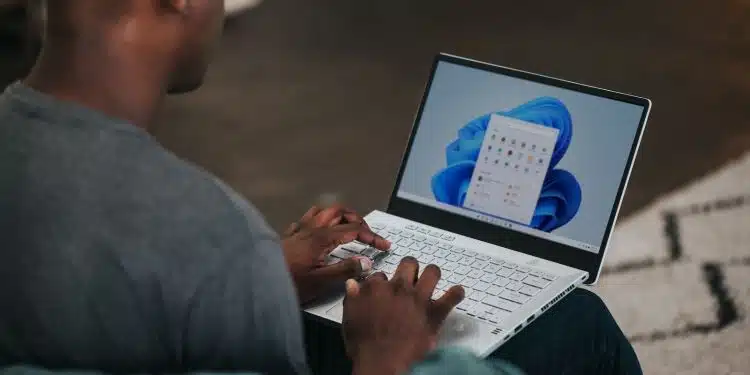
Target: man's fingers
(352, 288)
(367, 236)
(351, 268)
(427, 282)
(314, 210)
(406, 273)
(329, 216)
(443, 306)
(295, 227)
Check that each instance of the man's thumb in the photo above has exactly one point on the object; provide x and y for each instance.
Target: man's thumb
(351, 268)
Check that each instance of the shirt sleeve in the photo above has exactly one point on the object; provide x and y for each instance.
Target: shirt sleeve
(262, 330)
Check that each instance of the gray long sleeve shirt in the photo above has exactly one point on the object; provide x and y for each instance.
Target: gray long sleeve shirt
(116, 255)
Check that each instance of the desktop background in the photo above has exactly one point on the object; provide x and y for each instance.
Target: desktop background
(600, 132)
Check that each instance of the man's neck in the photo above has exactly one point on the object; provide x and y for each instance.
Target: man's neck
(101, 79)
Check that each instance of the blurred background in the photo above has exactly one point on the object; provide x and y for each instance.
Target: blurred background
(314, 100)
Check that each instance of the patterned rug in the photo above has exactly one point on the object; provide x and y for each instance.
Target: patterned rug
(677, 277)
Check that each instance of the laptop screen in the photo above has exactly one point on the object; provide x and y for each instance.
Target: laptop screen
(529, 157)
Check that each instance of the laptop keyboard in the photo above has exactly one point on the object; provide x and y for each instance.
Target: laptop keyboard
(494, 288)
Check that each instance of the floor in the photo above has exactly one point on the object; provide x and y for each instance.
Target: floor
(313, 98)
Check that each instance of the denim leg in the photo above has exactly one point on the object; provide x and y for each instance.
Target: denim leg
(578, 336)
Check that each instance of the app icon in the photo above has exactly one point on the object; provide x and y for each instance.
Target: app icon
(493, 137)
(510, 152)
(497, 161)
(530, 159)
(533, 147)
(523, 144)
(513, 142)
(506, 163)
(480, 178)
(489, 147)
(502, 139)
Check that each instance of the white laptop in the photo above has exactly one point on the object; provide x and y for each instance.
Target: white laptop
(510, 183)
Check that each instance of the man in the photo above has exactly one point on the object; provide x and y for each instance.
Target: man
(117, 256)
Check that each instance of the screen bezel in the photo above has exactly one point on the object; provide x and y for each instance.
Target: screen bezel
(514, 240)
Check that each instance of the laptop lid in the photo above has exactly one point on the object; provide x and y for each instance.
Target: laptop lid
(528, 162)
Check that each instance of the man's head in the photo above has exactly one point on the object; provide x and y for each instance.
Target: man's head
(175, 37)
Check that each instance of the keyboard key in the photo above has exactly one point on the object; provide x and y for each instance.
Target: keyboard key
(468, 282)
(419, 238)
(435, 234)
(510, 265)
(444, 245)
(514, 285)
(394, 231)
(466, 304)
(470, 253)
(422, 230)
(537, 282)
(439, 262)
(389, 269)
(504, 272)
(405, 242)
(549, 276)
(494, 290)
(514, 296)
(417, 246)
(477, 295)
(430, 241)
(501, 303)
(501, 282)
(355, 247)
(491, 268)
(429, 250)
(517, 276)
(529, 290)
(479, 264)
(462, 270)
(482, 286)
(450, 266)
(411, 226)
(523, 269)
(441, 284)
(407, 235)
(342, 253)
(458, 250)
(399, 250)
(466, 261)
(442, 253)
(377, 226)
(489, 278)
(370, 252)
(448, 237)
(483, 257)
(456, 278)
(393, 259)
(496, 261)
(476, 274)
(426, 259)
(453, 257)
(535, 273)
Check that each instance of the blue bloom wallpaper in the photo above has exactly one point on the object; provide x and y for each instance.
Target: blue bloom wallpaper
(583, 177)
(561, 195)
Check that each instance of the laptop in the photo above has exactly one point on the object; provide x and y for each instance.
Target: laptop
(511, 183)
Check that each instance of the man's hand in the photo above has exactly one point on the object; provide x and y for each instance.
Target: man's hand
(307, 242)
(389, 325)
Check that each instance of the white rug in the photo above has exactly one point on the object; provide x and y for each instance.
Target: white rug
(678, 277)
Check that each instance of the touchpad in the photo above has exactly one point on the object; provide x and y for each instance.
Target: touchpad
(336, 312)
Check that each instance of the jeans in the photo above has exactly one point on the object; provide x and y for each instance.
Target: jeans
(577, 336)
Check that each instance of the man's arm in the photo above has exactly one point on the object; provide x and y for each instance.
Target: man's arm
(262, 330)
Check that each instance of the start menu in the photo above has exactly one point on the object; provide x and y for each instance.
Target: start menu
(511, 168)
